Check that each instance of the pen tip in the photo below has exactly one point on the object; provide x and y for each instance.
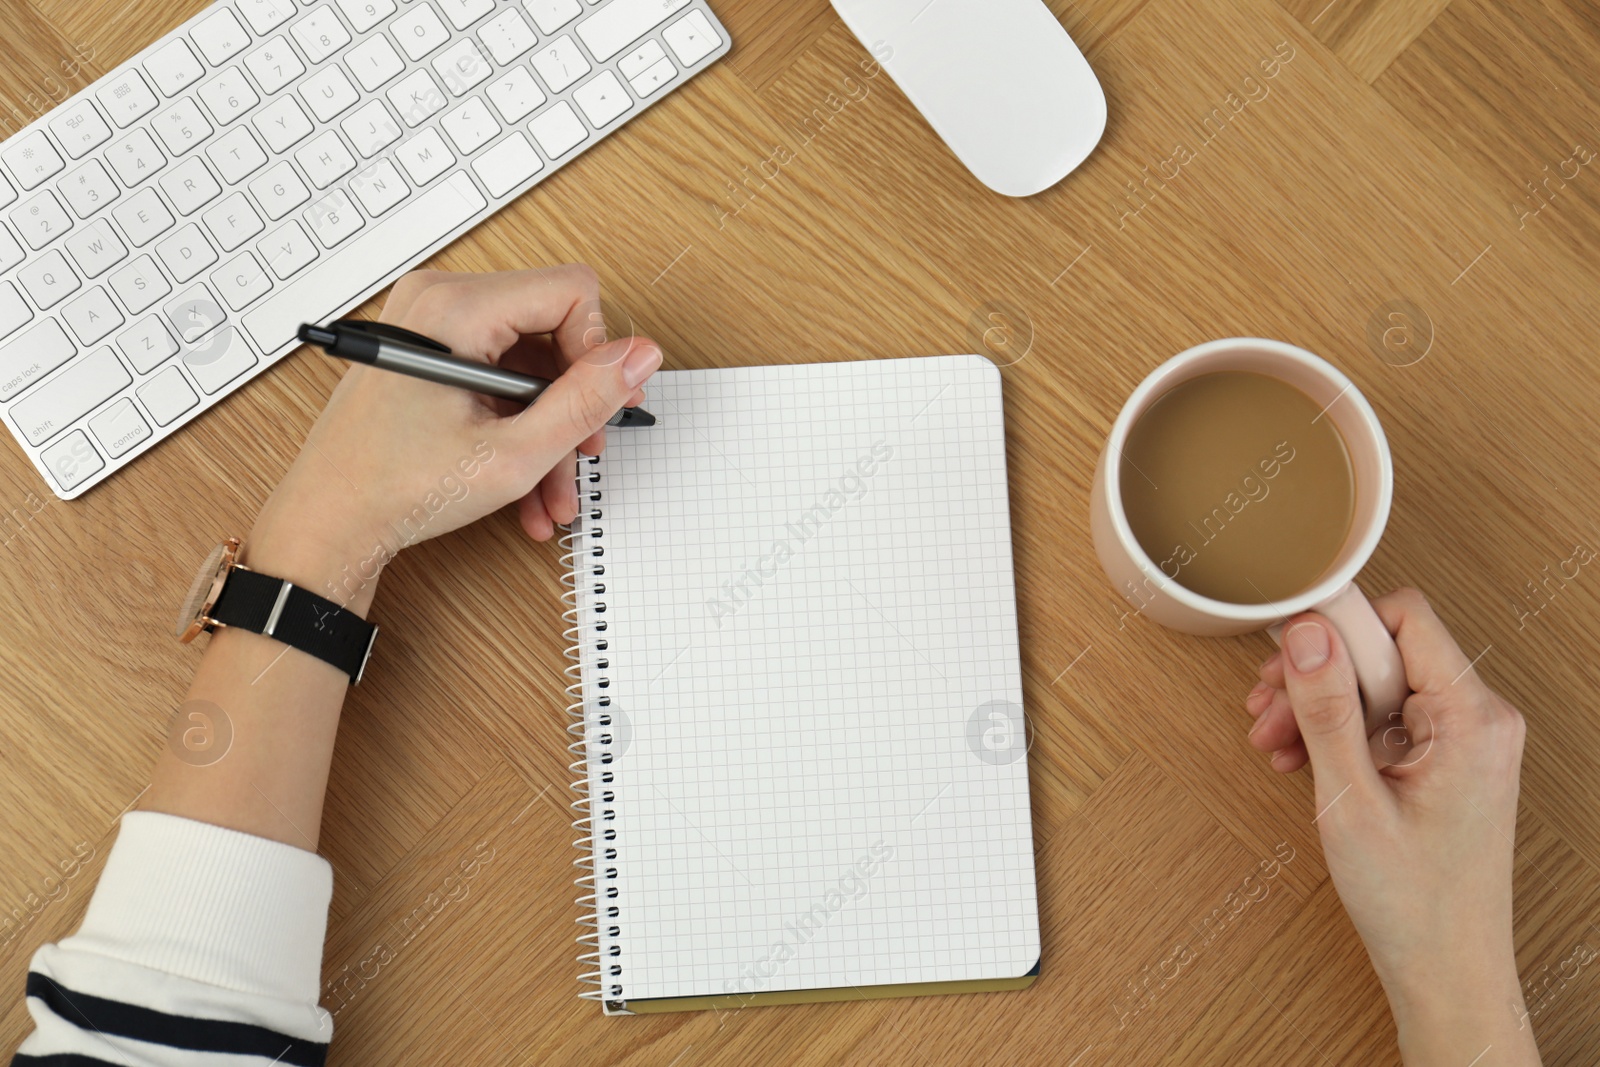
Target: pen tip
(635, 417)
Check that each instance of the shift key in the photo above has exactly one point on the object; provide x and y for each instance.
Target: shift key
(69, 396)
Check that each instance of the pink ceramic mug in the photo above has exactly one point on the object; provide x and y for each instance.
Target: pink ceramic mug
(1379, 671)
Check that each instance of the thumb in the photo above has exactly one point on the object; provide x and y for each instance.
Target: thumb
(1327, 706)
(580, 402)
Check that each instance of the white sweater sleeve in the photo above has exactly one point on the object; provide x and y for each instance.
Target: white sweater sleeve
(201, 946)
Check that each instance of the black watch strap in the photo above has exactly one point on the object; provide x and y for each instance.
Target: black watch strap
(297, 617)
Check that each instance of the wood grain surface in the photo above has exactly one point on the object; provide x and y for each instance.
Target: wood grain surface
(1296, 170)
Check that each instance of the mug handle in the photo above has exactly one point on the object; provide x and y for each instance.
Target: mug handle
(1380, 673)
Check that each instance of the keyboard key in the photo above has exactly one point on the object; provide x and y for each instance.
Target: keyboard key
(379, 188)
(40, 219)
(88, 188)
(143, 217)
(194, 313)
(641, 59)
(287, 250)
(282, 124)
(79, 128)
(333, 218)
(167, 395)
(653, 79)
(274, 64)
(220, 36)
(340, 278)
(14, 310)
(135, 158)
(95, 248)
(32, 158)
(139, 285)
(374, 61)
(425, 157)
(470, 126)
(507, 36)
(365, 14)
(32, 355)
(10, 251)
(147, 344)
(320, 34)
(70, 395)
(462, 66)
(515, 94)
(419, 31)
(692, 38)
(416, 96)
(236, 155)
(463, 13)
(558, 130)
(173, 67)
(7, 194)
(620, 23)
(551, 15)
(280, 190)
(228, 95)
(232, 222)
(91, 316)
(325, 159)
(190, 186)
(328, 92)
(507, 165)
(48, 279)
(186, 253)
(119, 428)
(72, 460)
(241, 281)
(560, 63)
(371, 129)
(181, 126)
(126, 98)
(603, 99)
(265, 15)
(220, 360)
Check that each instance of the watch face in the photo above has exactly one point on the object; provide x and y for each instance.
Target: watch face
(203, 593)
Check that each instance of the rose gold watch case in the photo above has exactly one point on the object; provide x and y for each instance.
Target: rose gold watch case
(195, 616)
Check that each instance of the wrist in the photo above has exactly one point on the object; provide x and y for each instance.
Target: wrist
(1458, 1007)
(324, 560)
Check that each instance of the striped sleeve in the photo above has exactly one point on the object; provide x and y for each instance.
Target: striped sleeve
(201, 947)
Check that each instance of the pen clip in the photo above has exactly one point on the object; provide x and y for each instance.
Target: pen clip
(390, 333)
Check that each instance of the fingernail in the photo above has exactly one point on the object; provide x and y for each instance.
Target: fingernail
(640, 364)
(1256, 702)
(1307, 645)
(1279, 758)
(1259, 723)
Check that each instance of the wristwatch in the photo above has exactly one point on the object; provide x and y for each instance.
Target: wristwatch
(227, 593)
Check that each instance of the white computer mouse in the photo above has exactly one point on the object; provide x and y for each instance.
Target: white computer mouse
(999, 80)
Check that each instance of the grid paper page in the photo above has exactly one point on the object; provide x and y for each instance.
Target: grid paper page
(818, 773)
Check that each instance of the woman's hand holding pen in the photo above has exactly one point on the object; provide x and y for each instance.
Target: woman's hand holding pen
(393, 460)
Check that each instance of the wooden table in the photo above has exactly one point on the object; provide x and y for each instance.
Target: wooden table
(1316, 171)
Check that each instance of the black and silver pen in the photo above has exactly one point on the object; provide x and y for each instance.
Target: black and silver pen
(391, 348)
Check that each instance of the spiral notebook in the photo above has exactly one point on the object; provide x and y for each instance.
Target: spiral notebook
(796, 692)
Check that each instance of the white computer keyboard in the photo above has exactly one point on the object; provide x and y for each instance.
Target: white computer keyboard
(166, 230)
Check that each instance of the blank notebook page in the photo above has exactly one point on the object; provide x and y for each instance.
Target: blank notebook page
(819, 775)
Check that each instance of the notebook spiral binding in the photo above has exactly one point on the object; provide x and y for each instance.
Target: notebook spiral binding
(583, 552)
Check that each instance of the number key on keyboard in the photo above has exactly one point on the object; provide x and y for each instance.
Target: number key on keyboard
(79, 128)
(167, 395)
(173, 67)
(48, 279)
(70, 395)
(92, 316)
(32, 158)
(135, 157)
(274, 64)
(41, 219)
(143, 217)
(419, 31)
(181, 126)
(365, 14)
(88, 188)
(126, 98)
(228, 95)
(147, 344)
(320, 34)
(95, 248)
(139, 285)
